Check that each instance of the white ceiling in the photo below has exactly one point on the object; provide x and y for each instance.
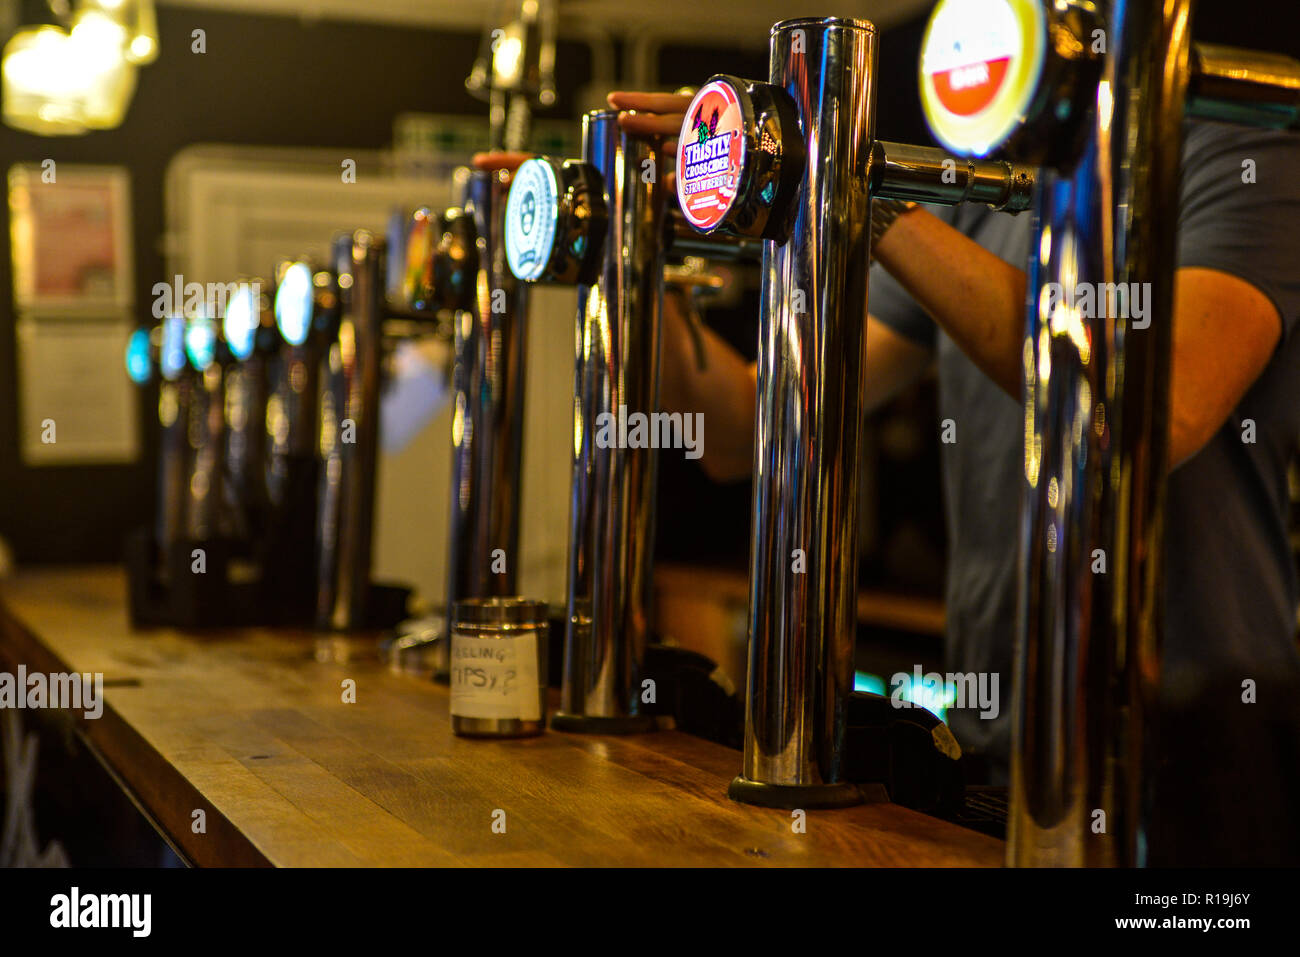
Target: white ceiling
(710, 22)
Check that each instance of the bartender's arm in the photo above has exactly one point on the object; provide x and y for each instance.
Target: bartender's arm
(724, 384)
(1225, 329)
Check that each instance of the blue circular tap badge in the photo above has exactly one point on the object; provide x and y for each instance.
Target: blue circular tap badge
(532, 211)
(138, 366)
(243, 316)
(200, 341)
(172, 351)
(293, 303)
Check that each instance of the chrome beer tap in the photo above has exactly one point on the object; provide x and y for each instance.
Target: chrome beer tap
(333, 321)
(601, 224)
(306, 315)
(455, 264)
(441, 291)
(1107, 128)
(204, 513)
(488, 381)
(794, 163)
(248, 330)
(450, 283)
(514, 72)
(160, 353)
(349, 434)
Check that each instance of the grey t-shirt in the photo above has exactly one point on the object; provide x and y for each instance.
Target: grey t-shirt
(1231, 587)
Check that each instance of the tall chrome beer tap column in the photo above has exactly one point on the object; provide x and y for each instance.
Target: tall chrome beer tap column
(794, 162)
(812, 347)
(487, 428)
(160, 353)
(175, 395)
(455, 262)
(249, 332)
(612, 506)
(1096, 410)
(790, 161)
(602, 223)
(306, 314)
(350, 435)
(1107, 128)
(205, 514)
(605, 224)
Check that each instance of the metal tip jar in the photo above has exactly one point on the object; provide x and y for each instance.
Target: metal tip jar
(499, 658)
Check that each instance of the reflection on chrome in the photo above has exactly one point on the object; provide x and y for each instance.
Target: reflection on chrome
(471, 274)
(612, 499)
(349, 436)
(803, 556)
(1096, 433)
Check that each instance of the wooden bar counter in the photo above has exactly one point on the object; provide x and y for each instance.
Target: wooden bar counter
(251, 727)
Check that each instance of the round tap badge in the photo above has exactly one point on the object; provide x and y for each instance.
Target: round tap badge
(710, 155)
(241, 320)
(138, 364)
(531, 213)
(293, 303)
(171, 358)
(980, 64)
(200, 341)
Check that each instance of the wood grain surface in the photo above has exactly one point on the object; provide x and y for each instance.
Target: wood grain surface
(250, 726)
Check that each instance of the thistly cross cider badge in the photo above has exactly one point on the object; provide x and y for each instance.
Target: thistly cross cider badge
(710, 154)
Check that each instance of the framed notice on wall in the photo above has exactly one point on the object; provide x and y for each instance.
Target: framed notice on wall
(75, 403)
(70, 235)
(71, 238)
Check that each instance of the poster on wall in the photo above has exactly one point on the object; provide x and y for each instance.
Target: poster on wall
(70, 236)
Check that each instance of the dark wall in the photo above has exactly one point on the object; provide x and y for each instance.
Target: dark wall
(282, 81)
(263, 80)
(898, 102)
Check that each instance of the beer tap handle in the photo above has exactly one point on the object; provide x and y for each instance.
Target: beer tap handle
(924, 174)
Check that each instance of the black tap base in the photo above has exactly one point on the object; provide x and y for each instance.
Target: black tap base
(236, 587)
(791, 797)
(591, 724)
(190, 584)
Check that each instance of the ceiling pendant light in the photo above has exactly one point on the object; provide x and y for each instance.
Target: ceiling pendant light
(65, 80)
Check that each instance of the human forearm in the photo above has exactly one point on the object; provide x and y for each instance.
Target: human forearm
(975, 297)
(722, 388)
(1225, 333)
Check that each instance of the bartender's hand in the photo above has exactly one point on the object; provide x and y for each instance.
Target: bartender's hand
(499, 159)
(658, 114)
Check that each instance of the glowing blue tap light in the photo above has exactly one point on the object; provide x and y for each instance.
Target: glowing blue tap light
(138, 366)
(243, 316)
(935, 699)
(171, 358)
(200, 341)
(293, 304)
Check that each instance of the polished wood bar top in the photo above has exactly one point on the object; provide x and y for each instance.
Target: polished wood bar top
(251, 727)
